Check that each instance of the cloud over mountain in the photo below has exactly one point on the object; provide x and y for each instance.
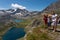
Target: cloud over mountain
(17, 6)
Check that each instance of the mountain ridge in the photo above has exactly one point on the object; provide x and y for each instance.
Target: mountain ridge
(53, 6)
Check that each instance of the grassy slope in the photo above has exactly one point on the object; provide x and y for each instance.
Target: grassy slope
(40, 33)
(23, 24)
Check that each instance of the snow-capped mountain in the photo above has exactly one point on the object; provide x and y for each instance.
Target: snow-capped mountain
(18, 13)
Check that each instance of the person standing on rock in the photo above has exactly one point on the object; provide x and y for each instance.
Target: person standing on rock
(49, 21)
(45, 20)
(54, 20)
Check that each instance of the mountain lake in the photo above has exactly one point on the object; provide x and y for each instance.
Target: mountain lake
(14, 33)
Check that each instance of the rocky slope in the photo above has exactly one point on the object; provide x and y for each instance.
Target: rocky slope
(53, 6)
(18, 13)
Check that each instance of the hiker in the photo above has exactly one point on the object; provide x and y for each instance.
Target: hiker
(49, 21)
(54, 21)
(45, 19)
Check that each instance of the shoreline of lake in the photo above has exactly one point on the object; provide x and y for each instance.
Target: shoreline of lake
(19, 31)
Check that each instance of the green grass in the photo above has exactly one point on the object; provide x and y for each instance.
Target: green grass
(23, 24)
(41, 36)
(38, 34)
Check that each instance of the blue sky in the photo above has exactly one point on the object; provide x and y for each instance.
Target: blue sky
(31, 5)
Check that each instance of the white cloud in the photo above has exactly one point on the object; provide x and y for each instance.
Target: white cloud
(18, 6)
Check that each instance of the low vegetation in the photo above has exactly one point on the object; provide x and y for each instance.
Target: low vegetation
(41, 33)
(23, 24)
(38, 34)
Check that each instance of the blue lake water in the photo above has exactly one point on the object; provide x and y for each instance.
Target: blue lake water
(14, 33)
(16, 20)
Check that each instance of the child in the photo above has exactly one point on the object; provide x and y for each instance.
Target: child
(49, 21)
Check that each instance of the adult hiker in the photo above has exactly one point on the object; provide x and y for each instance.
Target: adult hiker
(54, 20)
(45, 19)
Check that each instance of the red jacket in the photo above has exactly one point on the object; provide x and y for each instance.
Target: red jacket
(45, 19)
